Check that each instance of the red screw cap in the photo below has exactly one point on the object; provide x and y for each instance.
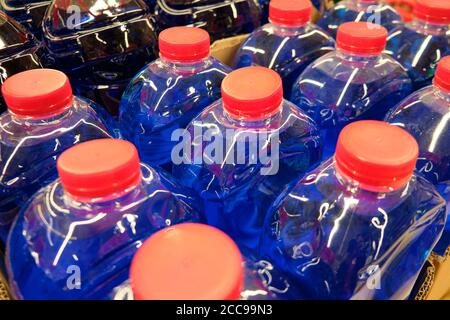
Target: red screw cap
(434, 11)
(101, 168)
(38, 93)
(184, 44)
(442, 76)
(290, 12)
(187, 262)
(252, 93)
(376, 156)
(361, 38)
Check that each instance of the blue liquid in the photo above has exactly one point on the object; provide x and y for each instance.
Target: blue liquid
(288, 51)
(419, 47)
(18, 51)
(221, 19)
(164, 97)
(351, 10)
(102, 51)
(28, 153)
(55, 239)
(29, 13)
(338, 89)
(236, 192)
(341, 244)
(424, 115)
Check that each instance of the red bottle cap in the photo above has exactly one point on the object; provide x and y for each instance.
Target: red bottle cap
(252, 93)
(184, 44)
(188, 261)
(361, 38)
(434, 11)
(38, 93)
(290, 12)
(442, 76)
(99, 169)
(376, 156)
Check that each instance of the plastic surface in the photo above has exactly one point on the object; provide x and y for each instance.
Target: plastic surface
(101, 51)
(357, 10)
(286, 49)
(240, 171)
(222, 19)
(29, 13)
(60, 248)
(339, 241)
(18, 50)
(361, 38)
(195, 261)
(424, 115)
(166, 96)
(420, 44)
(29, 149)
(340, 88)
(184, 44)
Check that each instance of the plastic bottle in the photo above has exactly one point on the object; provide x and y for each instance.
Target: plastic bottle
(356, 82)
(362, 224)
(168, 93)
(222, 19)
(78, 233)
(244, 149)
(425, 114)
(373, 11)
(420, 44)
(288, 44)
(101, 45)
(193, 261)
(29, 13)
(43, 119)
(18, 50)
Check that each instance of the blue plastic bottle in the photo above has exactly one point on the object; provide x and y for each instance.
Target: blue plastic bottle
(243, 150)
(288, 44)
(353, 83)
(79, 232)
(101, 47)
(43, 120)
(425, 114)
(362, 224)
(29, 13)
(18, 50)
(420, 44)
(373, 11)
(193, 261)
(168, 93)
(221, 19)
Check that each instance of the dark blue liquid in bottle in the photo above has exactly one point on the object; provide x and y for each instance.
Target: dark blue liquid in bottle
(288, 44)
(356, 82)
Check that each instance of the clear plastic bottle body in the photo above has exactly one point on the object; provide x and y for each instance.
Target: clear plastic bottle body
(163, 97)
(19, 51)
(356, 10)
(340, 242)
(61, 248)
(102, 50)
(262, 281)
(341, 88)
(237, 168)
(221, 19)
(287, 50)
(29, 149)
(425, 114)
(419, 46)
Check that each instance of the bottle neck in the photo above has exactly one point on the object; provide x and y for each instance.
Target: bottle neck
(186, 67)
(442, 93)
(261, 123)
(357, 58)
(42, 120)
(286, 30)
(360, 5)
(431, 28)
